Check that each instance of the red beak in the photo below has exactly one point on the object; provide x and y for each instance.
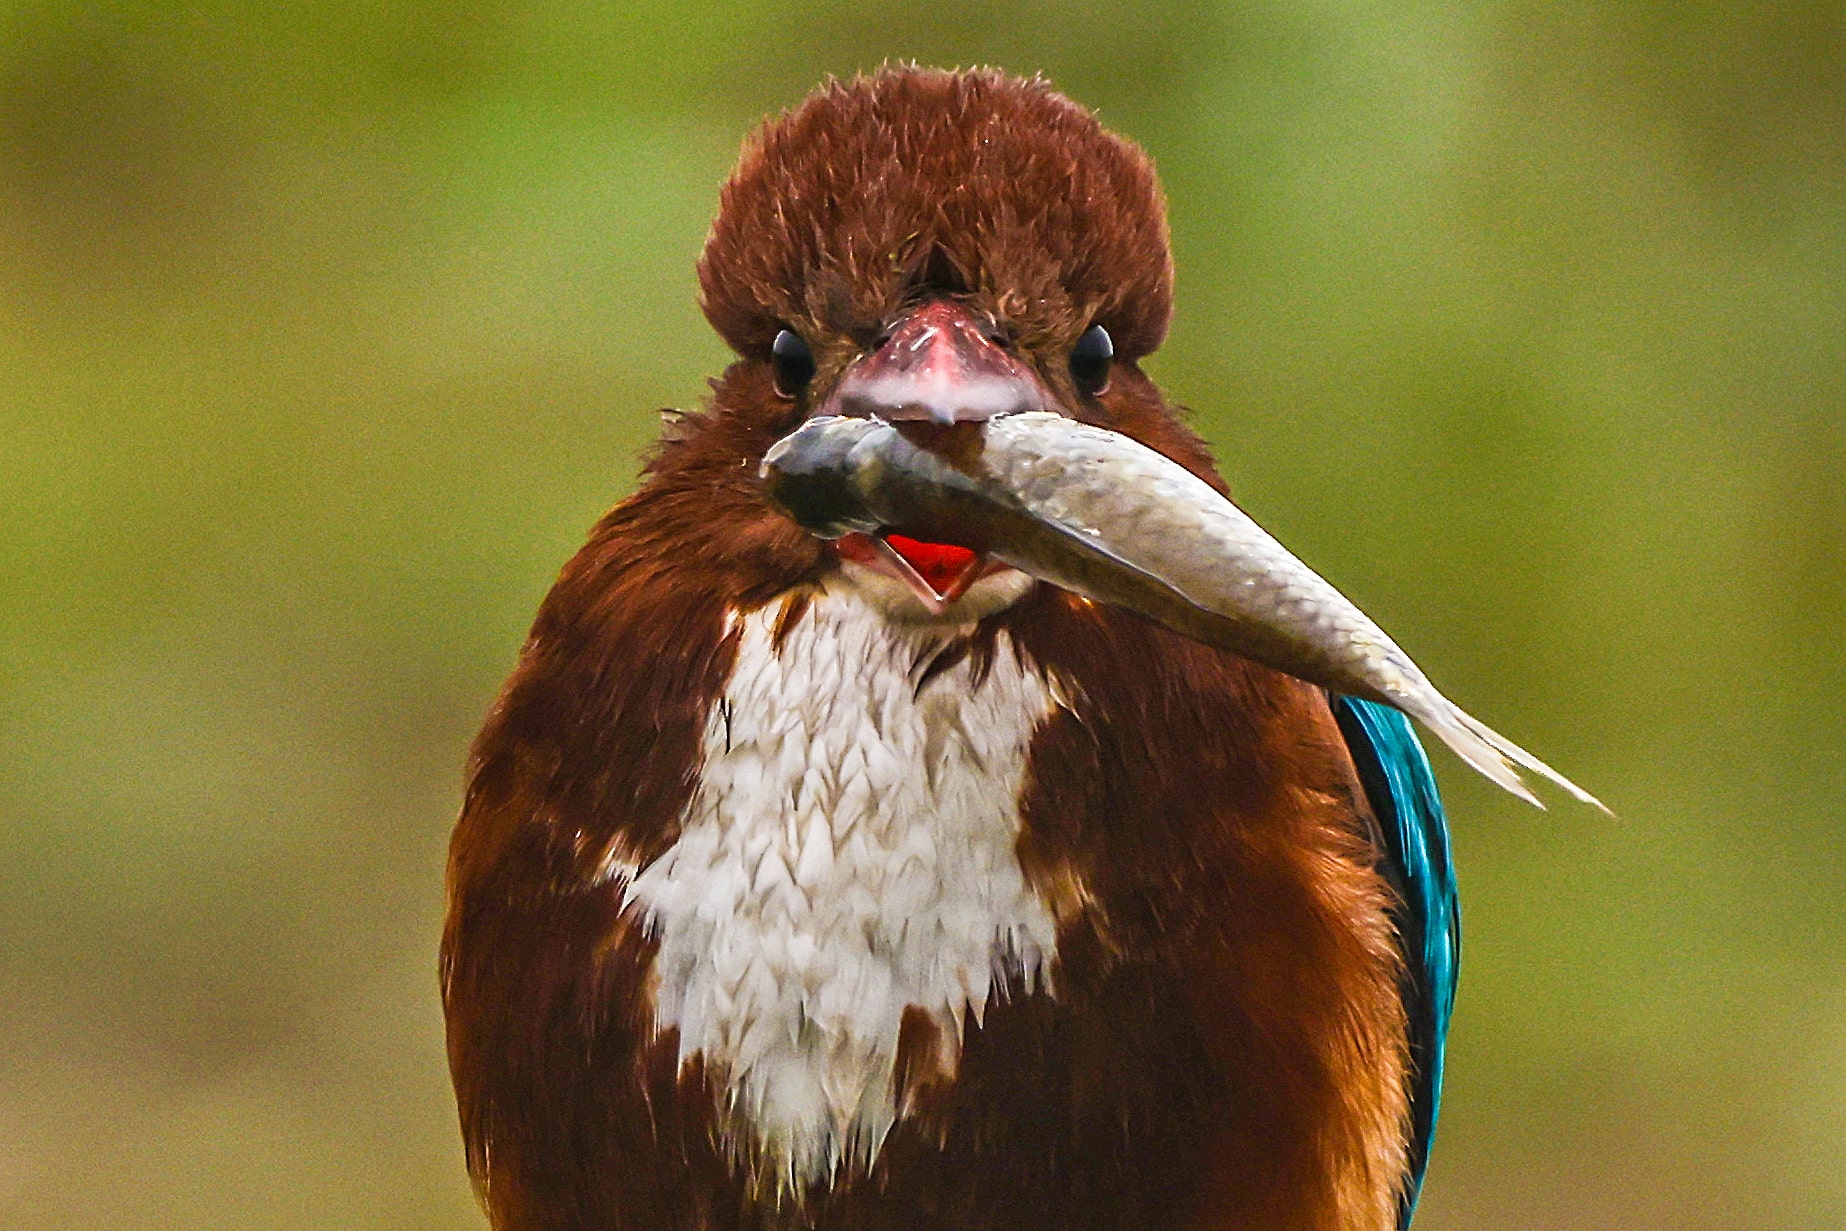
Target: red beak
(939, 366)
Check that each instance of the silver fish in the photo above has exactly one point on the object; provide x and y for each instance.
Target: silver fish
(1116, 522)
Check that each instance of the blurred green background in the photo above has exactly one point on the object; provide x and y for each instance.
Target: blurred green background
(326, 330)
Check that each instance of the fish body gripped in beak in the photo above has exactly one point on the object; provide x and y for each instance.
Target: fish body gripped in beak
(1116, 522)
(940, 371)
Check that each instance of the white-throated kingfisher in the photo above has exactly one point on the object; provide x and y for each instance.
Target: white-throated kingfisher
(873, 883)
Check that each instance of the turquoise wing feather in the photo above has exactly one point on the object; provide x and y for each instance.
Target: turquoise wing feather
(1413, 843)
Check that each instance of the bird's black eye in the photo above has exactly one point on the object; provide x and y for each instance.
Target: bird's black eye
(1089, 361)
(793, 363)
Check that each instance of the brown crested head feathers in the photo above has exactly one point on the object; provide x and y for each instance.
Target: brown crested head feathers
(878, 191)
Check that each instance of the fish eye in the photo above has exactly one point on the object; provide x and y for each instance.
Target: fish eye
(793, 363)
(1089, 361)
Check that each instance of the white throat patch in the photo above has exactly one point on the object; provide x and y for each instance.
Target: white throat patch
(849, 852)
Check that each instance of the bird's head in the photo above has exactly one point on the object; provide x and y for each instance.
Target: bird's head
(940, 248)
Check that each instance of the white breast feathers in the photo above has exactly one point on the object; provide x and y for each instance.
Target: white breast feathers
(849, 851)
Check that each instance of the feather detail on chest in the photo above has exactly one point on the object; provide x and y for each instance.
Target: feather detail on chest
(848, 853)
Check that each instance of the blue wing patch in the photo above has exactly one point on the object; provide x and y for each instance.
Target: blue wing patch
(1414, 855)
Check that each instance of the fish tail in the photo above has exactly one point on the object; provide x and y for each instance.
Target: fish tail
(1497, 758)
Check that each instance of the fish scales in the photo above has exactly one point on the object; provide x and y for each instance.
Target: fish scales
(1194, 540)
(1106, 517)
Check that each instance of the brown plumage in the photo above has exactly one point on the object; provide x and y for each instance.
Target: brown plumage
(1218, 1041)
